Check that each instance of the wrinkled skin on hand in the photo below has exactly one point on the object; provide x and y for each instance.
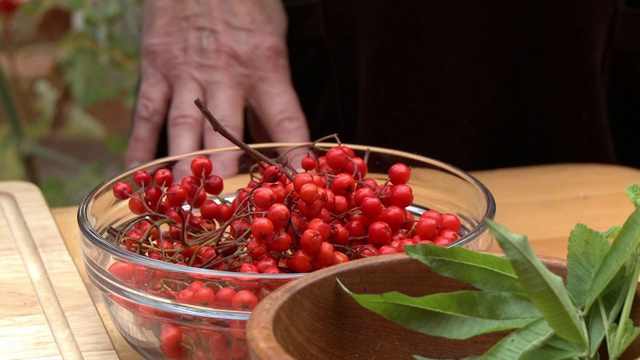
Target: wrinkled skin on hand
(232, 54)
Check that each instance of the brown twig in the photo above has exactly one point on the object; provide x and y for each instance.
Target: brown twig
(217, 127)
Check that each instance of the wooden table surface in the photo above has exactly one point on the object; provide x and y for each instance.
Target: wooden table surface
(542, 202)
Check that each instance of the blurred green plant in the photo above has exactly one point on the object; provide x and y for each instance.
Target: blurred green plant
(98, 61)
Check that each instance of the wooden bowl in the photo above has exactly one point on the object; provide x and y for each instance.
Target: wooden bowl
(313, 318)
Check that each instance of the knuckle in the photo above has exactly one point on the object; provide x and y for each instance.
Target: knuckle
(233, 126)
(148, 111)
(271, 55)
(184, 120)
(290, 125)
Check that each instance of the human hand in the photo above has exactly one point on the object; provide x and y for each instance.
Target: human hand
(230, 53)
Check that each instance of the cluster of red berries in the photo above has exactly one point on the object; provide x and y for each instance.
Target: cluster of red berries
(282, 221)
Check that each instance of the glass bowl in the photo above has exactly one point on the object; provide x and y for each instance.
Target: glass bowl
(145, 297)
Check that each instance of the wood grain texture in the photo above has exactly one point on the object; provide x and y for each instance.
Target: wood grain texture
(66, 219)
(546, 202)
(46, 311)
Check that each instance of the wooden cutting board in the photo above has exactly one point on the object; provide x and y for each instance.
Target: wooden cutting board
(45, 310)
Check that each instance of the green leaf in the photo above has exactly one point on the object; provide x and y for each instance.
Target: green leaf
(526, 341)
(623, 334)
(558, 348)
(546, 290)
(585, 252)
(93, 71)
(606, 311)
(484, 271)
(633, 192)
(8, 102)
(611, 233)
(614, 259)
(455, 315)
(10, 157)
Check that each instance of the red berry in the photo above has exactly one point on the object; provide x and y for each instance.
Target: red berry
(356, 228)
(249, 268)
(280, 241)
(198, 198)
(387, 249)
(191, 184)
(435, 215)
(272, 173)
(427, 228)
(170, 335)
(371, 207)
(308, 162)
(239, 227)
(340, 205)
(449, 234)
(210, 209)
(224, 297)
(321, 226)
(357, 167)
(226, 212)
(261, 227)
(121, 270)
(363, 193)
(339, 258)
(204, 296)
(163, 177)
(379, 233)
(136, 204)
(300, 262)
(394, 216)
(264, 197)
(272, 270)
(122, 190)
(310, 241)
(176, 195)
(257, 248)
(141, 178)
(279, 215)
(213, 184)
(309, 192)
(325, 255)
(244, 300)
(336, 158)
(452, 222)
(442, 241)
(301, 179)
(152, 196)
(201, 166)
(265, 262)
(343, 184)
(399, 173)
(339, 234)
(401, 195)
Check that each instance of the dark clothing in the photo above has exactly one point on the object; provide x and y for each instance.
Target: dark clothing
(479, 84)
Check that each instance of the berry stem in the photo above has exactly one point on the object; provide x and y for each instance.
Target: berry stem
(217, 127)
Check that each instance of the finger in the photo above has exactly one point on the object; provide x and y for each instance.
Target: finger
(185, 120)
(277, 105)
(227, 105)
(149, 117)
